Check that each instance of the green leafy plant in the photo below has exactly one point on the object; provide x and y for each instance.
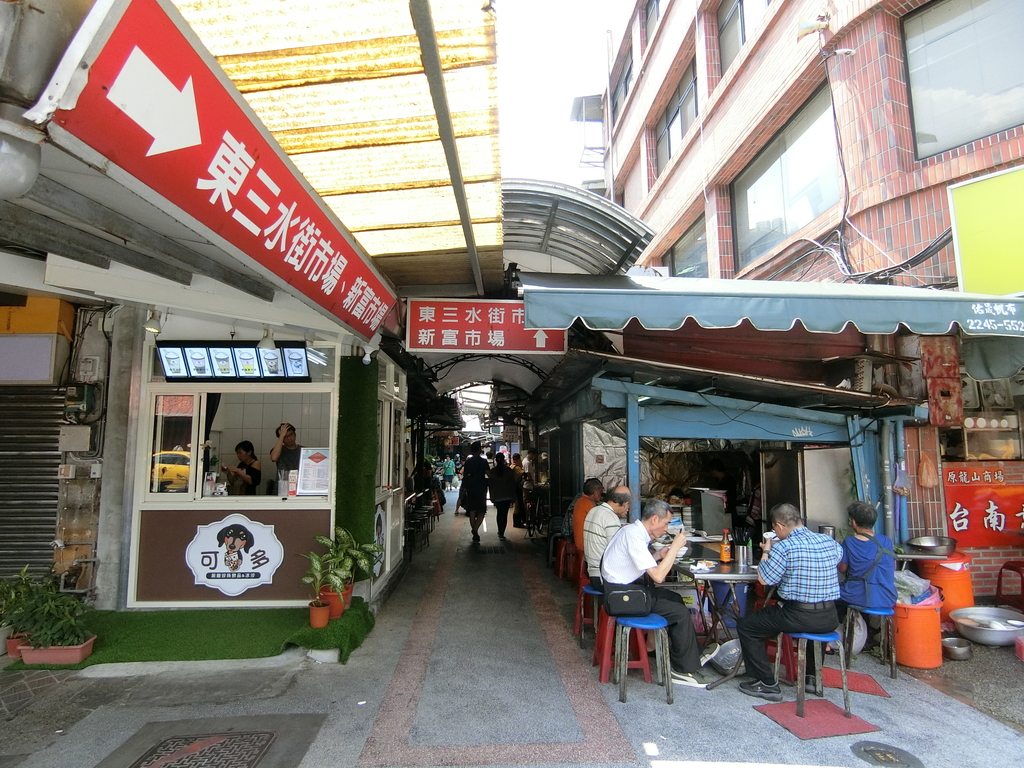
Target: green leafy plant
(17, 592)
(49, 618)
(348, 558)
(321, 574)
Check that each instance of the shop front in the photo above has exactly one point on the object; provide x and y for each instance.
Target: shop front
(215, 518)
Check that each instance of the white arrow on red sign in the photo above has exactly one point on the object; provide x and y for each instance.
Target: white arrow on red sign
(148, 97)
(541, 339)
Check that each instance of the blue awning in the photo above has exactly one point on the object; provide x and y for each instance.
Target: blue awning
(609, 302)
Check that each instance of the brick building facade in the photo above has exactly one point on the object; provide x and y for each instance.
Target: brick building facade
(805, 140)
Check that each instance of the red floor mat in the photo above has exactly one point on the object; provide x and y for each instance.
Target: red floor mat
(821, 719)
(857, 681)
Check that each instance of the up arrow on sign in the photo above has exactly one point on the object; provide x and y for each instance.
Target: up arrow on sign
(148, 97)
(541, 338)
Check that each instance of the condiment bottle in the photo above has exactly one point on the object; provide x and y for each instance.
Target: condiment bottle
(726, 552)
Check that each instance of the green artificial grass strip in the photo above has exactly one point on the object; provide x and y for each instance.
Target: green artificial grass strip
(346, 633)
(188, 635)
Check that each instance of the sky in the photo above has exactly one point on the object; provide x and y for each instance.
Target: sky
(549, 52)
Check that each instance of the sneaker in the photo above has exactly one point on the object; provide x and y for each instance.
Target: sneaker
(501, 536)
(709, 653)
(476, 537)
(762, 690)
(697, 679)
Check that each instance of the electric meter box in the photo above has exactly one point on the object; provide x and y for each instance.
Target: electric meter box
(80, 400)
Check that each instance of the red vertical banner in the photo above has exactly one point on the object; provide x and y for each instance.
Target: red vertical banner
(982, 510)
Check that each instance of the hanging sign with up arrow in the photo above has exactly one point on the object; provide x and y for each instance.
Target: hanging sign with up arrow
(139, 97)
(478, 325)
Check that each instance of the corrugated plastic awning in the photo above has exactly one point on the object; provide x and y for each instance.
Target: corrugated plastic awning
(342, 87)
(664, 303)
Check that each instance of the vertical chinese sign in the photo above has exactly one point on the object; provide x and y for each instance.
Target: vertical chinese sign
(982, 509)
(478, 326)
(158, 115)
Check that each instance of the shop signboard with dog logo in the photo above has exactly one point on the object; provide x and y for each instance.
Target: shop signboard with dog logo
(234, 554)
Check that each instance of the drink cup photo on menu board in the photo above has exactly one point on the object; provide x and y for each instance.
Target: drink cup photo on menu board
(223, 362)
(270, 359)
(173, 361)
(295, 362)
(198, 360)
(248, 362)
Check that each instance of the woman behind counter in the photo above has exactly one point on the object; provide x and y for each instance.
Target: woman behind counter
(246, 477)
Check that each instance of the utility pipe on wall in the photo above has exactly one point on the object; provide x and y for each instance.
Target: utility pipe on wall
(886, 440)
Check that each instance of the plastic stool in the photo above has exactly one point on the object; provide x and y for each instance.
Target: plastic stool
(604, 643)
(573, 559)
(1017, 601)
(582, 621)
(561, 557)
(801, 664)
(640, 625)
(888, 646)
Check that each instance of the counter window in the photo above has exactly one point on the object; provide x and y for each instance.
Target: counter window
(171, 462)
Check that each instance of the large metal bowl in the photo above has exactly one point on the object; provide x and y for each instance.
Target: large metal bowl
(931, 545)
(988, 626)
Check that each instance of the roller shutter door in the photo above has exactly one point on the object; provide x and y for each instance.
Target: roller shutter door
(30, 420)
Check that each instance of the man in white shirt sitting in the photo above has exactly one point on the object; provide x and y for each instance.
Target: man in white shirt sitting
(628, 560)
(603, 522)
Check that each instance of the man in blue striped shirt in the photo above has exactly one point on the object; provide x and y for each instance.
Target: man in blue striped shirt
(803, 566)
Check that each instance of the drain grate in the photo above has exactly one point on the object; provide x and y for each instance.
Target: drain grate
(876, 753)
(477, 549)
(217, 750)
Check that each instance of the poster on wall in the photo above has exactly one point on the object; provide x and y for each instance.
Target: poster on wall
(982, 509)
(380, 540)
(314, 472)
(234, 554)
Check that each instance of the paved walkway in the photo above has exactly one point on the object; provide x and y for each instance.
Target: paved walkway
(472, 662)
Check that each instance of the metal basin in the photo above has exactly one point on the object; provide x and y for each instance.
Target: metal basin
(956, 648)
(988, 626)
(931, 545)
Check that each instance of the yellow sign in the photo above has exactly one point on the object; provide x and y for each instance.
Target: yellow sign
(988, 232)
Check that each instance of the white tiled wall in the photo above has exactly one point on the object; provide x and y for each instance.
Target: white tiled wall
(255, 417)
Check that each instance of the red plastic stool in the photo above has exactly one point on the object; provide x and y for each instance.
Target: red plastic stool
(604, 645)
(561, 556)
(572, 561)
(1016, 601)
(587, 596)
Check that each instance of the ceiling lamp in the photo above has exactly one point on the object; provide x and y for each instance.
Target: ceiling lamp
(153, 323)
(267, 342)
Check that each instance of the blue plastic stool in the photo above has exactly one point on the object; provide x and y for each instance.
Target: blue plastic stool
(581, 615)
(888, 645)
(652, 622)
(836, 638)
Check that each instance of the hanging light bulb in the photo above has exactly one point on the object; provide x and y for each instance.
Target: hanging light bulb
(267, 342)
(153, 323)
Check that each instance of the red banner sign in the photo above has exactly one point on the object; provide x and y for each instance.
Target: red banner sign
(477, 325)
(155, 107)
(983, 514)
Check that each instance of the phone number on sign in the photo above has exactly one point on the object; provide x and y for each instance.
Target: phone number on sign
(987, 324)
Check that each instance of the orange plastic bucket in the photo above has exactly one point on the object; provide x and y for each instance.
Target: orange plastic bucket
(918, 636)
(955, 581)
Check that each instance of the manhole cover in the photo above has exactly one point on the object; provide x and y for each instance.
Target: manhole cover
(876, 753)
(212, 750)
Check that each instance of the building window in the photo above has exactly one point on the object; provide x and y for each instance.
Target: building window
(677, 118)
(689, 257)
(736, 22)
(622, 86)
(794, 180)
(651, 14)
(966, 71)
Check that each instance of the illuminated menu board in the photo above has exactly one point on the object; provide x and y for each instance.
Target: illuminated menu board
(205, 361)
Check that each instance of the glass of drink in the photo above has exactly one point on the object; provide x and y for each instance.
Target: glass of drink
(173, 361)
(223, 362)
(199, 362)
(295, 362)
(248, 361)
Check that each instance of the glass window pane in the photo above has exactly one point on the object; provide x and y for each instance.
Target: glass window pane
(753, 12)
(966, 69)
(730, 38)
(793, 181)
(690, 253)
(172, 458)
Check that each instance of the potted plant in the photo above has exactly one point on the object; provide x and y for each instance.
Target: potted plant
(320, 574)
(12, 594)
(348, 558)
(54, 627)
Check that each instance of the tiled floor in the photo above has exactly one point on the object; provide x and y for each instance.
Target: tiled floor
(18, 689)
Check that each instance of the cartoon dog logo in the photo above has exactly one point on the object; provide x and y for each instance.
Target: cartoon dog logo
(235, 539)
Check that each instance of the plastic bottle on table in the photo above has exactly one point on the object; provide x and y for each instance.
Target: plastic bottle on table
(726, 551)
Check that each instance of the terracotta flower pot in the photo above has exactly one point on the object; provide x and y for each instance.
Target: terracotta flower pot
(57, 654)
(347, 595)
(319, 615)
(331, 597)
(13, 645)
